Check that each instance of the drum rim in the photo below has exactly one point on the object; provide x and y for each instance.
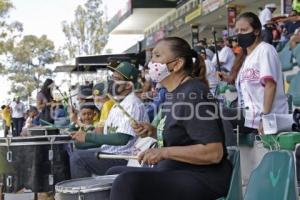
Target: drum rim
(59, 188)
(39, 128)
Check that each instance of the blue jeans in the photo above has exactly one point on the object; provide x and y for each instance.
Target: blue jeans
(84, 163)
(18, 124)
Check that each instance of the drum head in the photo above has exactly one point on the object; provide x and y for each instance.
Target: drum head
(85, 185)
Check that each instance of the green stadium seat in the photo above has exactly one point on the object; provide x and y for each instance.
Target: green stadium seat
(274, 178)
(294, 89)
(235, 190)
(285, 56)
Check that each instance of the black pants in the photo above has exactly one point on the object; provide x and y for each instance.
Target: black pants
(231, 118)
(84, 163)
(154, 184)
(18, 124)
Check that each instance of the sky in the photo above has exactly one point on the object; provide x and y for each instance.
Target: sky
(45, 17)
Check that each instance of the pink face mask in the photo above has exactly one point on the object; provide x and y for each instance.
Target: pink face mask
(158, 71)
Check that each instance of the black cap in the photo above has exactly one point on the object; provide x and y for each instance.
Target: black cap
(85, 91)
(200, 50)
(88, 105)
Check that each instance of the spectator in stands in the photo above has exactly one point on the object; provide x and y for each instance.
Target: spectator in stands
(226, 55)
(295, 39)
(191, 163)
(291, 25)
(259, 81)
(6, 116)
(265, 17)
(118, 136)
(210, 71)
(203, 43)
(17, 115)
(158, 98)
(103, 104)
(44, 102)
(32, 120)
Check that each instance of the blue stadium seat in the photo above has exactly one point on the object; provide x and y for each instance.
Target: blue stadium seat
(235, 191)
(294, 89)
(296, 54)
(286, 58)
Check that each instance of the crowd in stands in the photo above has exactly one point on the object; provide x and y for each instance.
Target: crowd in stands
(99, 123)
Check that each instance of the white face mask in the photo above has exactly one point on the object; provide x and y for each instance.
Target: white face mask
(158, 71)
(99, 105)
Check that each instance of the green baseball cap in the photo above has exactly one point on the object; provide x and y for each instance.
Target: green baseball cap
(127, 70)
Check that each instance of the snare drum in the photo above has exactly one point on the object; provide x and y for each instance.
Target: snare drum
(92, 188)
(42, 130)
(36, 163)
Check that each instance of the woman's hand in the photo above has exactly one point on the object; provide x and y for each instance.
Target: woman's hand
(260, 128)
(153, 156)
(144, 129)
(78, 136)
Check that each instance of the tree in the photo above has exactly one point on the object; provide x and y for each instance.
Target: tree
(86, 35)
(29, 58)
(9, 32)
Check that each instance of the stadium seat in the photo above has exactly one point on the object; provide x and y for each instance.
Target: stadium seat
(296, 54)
(235, 190)
(274, 178)
(294, 89)
(286, 58)
(289, 78)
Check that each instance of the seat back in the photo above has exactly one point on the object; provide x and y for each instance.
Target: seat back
(296, 53)
(274, 178)
(294, 89)
(286, 58)
(235, 190)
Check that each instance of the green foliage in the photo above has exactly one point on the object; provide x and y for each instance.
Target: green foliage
(86, 35)
(9, 32)
(23, 58)
(29, 57)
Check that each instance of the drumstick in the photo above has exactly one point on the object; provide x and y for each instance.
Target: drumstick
(110, 156)
(132, 120)
(48, 123)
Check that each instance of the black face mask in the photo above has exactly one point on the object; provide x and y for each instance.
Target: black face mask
(219, 48)
(246, 40)
(114, 88)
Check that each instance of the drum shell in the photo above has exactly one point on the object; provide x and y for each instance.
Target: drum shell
(31, 166)
(98, 195)
(44, 130)
(99, 190)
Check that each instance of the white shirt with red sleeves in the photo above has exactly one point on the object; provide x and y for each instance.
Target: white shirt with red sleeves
(261, 65)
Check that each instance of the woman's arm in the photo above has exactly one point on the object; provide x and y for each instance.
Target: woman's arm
(269, 95)
(198, 154)
(40, 104)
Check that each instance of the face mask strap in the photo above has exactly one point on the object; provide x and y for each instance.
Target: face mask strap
(171, 70)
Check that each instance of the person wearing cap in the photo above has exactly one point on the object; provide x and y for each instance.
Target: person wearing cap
(103, 104)
(210, 70)
(265, 17)
(84, 95)
(226, 56)
(118, 136)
